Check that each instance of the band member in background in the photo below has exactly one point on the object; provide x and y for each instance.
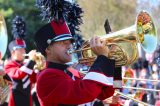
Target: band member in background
(21, 73)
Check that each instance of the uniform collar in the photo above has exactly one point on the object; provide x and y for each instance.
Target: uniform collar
(56, 65)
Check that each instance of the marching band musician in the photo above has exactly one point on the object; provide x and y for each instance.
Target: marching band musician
(58, 84)
(21, 73)
(55, 86)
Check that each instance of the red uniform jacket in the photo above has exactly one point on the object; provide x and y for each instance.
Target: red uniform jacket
(22, 77)
(55, 87)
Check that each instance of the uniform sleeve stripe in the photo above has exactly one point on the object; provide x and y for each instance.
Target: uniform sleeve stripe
(25, 85)
(24, 78)
(26, 70)
(98, 77)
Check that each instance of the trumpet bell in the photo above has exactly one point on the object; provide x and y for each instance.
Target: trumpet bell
(125, 42)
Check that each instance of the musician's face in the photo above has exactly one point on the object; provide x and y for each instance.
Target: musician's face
(18, 54)
(57, 52)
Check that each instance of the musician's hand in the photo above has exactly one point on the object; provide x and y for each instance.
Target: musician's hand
(112, 100)
(32, 55)
(8, 82)
(98, 46)
(7, 79)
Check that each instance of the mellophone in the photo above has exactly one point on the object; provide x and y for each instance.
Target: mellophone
(126, 51)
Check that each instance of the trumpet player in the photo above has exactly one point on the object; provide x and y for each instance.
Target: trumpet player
(58, 84)
(22, 73)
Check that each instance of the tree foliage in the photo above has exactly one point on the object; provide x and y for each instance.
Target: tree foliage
(25, 8)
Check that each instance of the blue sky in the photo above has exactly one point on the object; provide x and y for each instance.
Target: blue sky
(152, 2)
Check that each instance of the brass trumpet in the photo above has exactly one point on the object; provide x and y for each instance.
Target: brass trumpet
(126, 52)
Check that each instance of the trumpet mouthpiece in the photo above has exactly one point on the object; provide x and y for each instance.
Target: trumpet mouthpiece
(69, 51)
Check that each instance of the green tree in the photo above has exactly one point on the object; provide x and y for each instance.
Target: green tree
(27, 9)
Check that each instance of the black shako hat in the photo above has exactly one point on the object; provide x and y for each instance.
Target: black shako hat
(18, 32)
(51, 32)
(64, 17)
